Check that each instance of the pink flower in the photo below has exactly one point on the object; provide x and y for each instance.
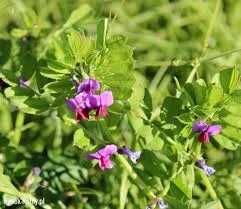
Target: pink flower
(86, 100)
(205, 130)
(105, 100)
(103, 156)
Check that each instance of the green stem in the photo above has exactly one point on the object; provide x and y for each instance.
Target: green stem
(134, 176)
(18, 126)
(196, 64)
(210, 27)
(209, 186)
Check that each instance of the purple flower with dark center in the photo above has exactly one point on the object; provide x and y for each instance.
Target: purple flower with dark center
(88, 86)
(132, 155)
(161, 204)
(78, 105)
(103, 156)
(205, 130)
(207, 169)
(86, 100)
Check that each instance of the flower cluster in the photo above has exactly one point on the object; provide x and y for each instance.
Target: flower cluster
(87, 100)
(205, 132)
(104, 155)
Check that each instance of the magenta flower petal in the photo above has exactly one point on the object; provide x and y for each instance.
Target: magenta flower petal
(214, 130)
(92, 101)
(199, 126)
(103, 156)
(105, 163)
(106, 98)
(88, 86)
(94, 156)
(108, 150)
(72, 103)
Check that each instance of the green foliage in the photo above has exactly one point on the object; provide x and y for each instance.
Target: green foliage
(168, 64)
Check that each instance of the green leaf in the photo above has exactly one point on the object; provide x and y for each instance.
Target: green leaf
(226, 143)
(59, 86)
(235, 109)
(115, 70)
(5, 50)
(124, 189)
(80, 45)
(8, 76)
(232, 133)
(172, 106)
(62, 51)
(232, 120)
(229, 79)
(155, 144)
(236, 96)
(19, 33)
(48, 73)
(147, 106)
(215, 95)
(80, 140)
(102, 27)
(59, 67)
(185, 181)
(213, 205)
(6, 186)
(29, 17)
(77, 15)
(25, 100)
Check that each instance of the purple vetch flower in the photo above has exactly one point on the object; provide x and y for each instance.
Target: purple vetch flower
(86, 100)
(103, 156)
(105, 100)
(207, 169)
(88, 86)
(161, 204)
(79, 107)
(24, 83)
(132, 155)
(205, 130)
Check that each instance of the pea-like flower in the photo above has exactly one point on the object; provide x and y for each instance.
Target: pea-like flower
(86, 100)
(103, 156)
(205, 130)
(207, 169)
(132, 155)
